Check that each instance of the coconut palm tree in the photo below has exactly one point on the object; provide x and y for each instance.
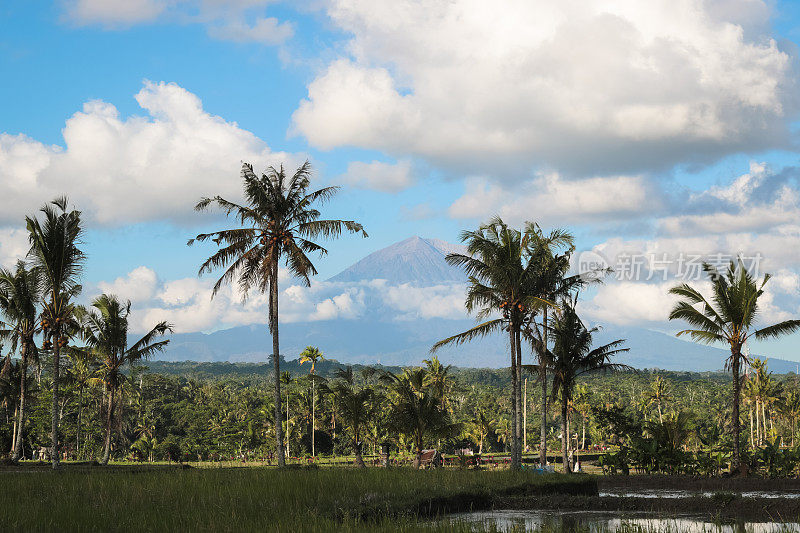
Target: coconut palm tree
(20, 295)
(356, 408)
(82, 367)
(790, 408)
(500, 283)
(415, 410)
(312, 355)
(573, 355)
(728, 318)
(482, 427)
(104, 329)
(278, 223)
(438, 378)
(658, 395)
(55, 254)
(549, 254)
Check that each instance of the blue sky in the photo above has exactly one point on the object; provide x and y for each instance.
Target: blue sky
(657, 127)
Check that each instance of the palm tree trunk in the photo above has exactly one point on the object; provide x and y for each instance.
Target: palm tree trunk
(520, 426)
(23, 386)
(564, 436)
(54, 451)
(737, 392)
(583, 438)
(758, 425)
(273, 324)
(14, 429)
(358, 461)
(313, 417)
(514, 404)
(750, 412)
(543, 379)
(109, 423)
(525, 416)
(287, 421)
(80, 422)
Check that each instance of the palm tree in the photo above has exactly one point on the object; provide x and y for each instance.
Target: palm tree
(572, 357)
(415, 410)
(790, 408)
(500, 283)
(728, 318)
(482, 426)
(81, 372)
(356, 408)
(552, 283)
(659, 394)
(54, 253)
(312, 355)
(438, 378)
(105, 331)
(278, 223)
(20, 295)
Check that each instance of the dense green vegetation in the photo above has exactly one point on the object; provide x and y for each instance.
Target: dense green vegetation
(221, 411)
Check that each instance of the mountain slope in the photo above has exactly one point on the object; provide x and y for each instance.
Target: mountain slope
(414, 260)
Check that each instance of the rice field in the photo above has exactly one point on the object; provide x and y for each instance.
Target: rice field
(125, 498)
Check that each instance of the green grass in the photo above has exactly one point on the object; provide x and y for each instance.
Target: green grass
(257, 499)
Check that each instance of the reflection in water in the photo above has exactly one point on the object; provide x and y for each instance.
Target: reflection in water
(661, 493)
(594, 522)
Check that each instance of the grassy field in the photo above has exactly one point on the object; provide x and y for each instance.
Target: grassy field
(126, 498)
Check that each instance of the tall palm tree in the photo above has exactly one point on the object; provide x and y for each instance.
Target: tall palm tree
(105, 331)
(573, 356)
(20, 295)
(549, 254)
(278, 223)
(500, 283)
(312, 355)
(55, 253)
(728, 318)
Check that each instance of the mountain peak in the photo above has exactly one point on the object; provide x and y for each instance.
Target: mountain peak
(416, 260)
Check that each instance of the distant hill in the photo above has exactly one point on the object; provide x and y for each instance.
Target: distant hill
(414, 260)
(380, 337)
(405, 343)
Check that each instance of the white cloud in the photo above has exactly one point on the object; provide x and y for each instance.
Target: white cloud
(14, 245)
(187, 302)
(439, 301)
(580, 86)
(121, 170)
(759, 200)
(115, 13)
(228, 20)
(630, 302)
(380, 176)
(550, 198)
(139, 285)
(266, 30)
